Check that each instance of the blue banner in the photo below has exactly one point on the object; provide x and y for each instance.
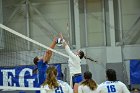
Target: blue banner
(21, 76)
(135, 71)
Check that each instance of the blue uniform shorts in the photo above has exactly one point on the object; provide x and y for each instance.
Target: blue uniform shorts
(77, 78)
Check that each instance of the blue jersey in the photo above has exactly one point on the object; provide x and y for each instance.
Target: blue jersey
(42, 67)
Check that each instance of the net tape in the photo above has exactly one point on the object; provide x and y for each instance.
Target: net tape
(19, 88)
(29, 39)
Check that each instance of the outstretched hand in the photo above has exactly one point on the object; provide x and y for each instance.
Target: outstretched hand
(54, 39)
(60, 35)
(62, 39)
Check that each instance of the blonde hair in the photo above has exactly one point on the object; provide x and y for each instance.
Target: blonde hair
(51, 80)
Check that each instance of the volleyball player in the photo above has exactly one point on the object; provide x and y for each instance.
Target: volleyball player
(52, 85)
(88, 85)
(41, 63)
(74, 65)
(112, 85)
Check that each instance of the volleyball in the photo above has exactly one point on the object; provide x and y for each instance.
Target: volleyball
(59, 42)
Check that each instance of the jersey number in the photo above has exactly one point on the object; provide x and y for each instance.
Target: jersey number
(59, 90)
(111, 88)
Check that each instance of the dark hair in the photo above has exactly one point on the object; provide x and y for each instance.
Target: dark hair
(35, 60)
(111, 75)
(81, 54)
(89, 58)
(89, 81)
(51, 77)
(87, 75)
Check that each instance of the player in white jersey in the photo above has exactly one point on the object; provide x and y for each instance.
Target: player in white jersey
(52, 85)
(112, 85)
(88, 85)
(74, 65)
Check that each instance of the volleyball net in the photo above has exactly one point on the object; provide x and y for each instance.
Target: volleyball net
(18, 48)
(17, 52)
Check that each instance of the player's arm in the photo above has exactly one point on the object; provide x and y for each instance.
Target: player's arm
(125, 89)
(70, 53)
(48, 53)
(66, 46)
(75, 88)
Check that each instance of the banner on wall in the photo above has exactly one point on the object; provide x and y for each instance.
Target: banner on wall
(21, 76)
(135, 71)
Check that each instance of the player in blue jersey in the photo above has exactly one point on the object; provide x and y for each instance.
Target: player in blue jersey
(52, 85)
(41, 63)
(112, 85)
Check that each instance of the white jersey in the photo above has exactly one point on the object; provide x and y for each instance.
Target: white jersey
(112, 87)
(63, 88)
(85, 89)
(73, 62)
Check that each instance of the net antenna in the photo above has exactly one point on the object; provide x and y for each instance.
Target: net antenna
(29, 39)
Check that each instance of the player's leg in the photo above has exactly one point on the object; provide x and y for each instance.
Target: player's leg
(76, 80)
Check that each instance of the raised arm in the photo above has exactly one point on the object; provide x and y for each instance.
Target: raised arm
(66, 46)
(48, 53)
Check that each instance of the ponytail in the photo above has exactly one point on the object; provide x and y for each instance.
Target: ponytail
(89, 58)
(51, 80)
(82, 54)
(89, 81)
